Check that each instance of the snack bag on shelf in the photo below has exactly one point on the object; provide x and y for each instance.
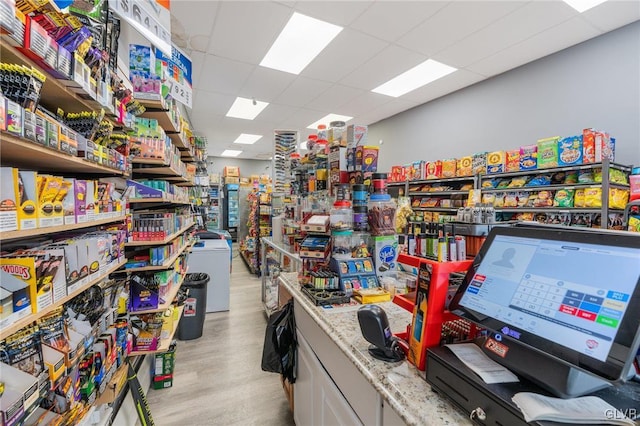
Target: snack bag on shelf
(563, 198)
(593, 197)
(618, 198)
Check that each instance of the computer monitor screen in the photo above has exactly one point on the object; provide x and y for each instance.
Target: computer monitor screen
(569, 294)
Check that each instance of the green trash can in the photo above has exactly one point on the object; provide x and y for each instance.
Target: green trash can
(195, 305)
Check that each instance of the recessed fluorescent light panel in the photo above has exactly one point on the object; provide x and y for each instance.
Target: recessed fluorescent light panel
(247, 139)
(247, 109)
(583, 5)
(328, 119)
(301, 40)
(424, 73)
(230, 153)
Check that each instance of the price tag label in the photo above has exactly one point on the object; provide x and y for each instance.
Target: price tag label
(148, 14)
(181, 92)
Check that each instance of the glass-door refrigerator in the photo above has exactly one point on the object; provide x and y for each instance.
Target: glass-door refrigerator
(231, 209)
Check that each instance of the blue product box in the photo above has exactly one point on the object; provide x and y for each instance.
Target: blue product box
(570, 151)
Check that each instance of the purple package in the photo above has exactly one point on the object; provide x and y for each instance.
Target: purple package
(80, 194)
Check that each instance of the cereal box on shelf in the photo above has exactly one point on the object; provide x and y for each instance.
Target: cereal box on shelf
(464, 167)
(528, 157)
(570, 151)
(479, 163)
(596, 146)
(433, 169)
(548, 152)
(496, 162)
(449, 167)
(512, 160)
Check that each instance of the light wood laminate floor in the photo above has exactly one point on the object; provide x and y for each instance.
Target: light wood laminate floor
(217, 378)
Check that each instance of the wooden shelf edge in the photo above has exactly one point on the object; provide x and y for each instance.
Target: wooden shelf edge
(157, 200)
(166, 265)
(159, 243)
(44, 154)
(163, 307)
(9, 330)
(12, 235)
(114, 387)
(152, 161)
(164, 344)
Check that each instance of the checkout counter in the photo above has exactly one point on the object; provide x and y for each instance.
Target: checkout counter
(339, 382)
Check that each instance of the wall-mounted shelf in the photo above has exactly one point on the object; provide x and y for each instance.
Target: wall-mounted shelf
(168, 300)
(554, 209)
(13, 235)
(443, 193)
(9, 330)
(164, 119)
(435, 209)
(555, 170)
(23, 153)
(160, 242)
(166, 264)
(164, 344)
(177, 140)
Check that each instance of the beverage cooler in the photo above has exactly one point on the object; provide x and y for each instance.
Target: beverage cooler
(231, 209)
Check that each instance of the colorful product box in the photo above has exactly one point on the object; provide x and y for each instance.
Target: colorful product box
(356, 135)
(479, 163)
(512, 160)
(53, 130)
(367, 158)
(597, 146)
(231, 171)
(48, 214)
(548, 152)
(570, 151)
(385, 254)
(20, 292)
(91, 208)
(433, 169)
(24, 268)
(528, 157)
(8, 199)
(449, 167)
(14, 115)
(26, 188)
(3, 113)
(80, 200)
(338, 158)
(465, 166)
(29, 125)
(496, 162)
(397, 174)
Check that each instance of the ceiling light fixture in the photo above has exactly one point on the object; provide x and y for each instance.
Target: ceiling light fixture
(230, 153)
(245, 108)
(328, 119)
(247, 139)
(301, 40)
(583, 5)
(418, 76)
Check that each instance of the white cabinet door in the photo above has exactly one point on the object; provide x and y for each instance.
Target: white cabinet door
(334, 408)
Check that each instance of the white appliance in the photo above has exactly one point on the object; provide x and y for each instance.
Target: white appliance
(213, 257)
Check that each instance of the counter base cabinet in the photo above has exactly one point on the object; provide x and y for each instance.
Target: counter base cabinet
(329, 389)
(318, 400)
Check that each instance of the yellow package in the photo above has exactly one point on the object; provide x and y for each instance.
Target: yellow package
(464, 166)
(511, 199)
(488, 198)
(517, 182)
(499, 201)
(634, 224)
(618, 198)
(593, 197)
(544, 199)
(578, 199)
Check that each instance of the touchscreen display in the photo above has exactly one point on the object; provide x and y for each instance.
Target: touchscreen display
(573, 294)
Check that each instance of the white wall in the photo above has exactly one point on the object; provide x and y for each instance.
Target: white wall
(247, 167)
(594, 84)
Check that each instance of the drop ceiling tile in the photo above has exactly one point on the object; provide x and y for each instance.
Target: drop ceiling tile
(443, 86)
(553, 40)
(275, 114)
(192, 23)
(613, 14)
(212, 103)
(376, 21)
(300, 119)
(197, 63)
(343, 55)
(245, 30)
(363, 103)
(336, 96)
(389, 63)
(455, 22)
(302, 91)
(223, 75)
(266, 84)
(335, 12)
(520, 25)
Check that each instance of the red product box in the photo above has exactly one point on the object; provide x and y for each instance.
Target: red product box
(39, 46)
(433, 170)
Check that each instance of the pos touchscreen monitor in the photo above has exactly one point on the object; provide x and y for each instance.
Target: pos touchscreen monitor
(562, 306)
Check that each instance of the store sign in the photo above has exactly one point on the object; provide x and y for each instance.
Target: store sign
(178, 75)
(152, 18)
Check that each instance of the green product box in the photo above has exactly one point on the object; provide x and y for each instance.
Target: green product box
(164, 364)
(162, 382)
(548, 152)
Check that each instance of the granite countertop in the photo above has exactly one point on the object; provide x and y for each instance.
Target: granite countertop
(401, 384)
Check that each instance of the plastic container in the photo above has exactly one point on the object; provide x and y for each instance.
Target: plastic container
(381, 214)
(360, 218)
(341, 216)
(359, 194)
(337, 129)
(379, 183)
(342, 244)
(322, 133)
(195, 306)
(343, 191)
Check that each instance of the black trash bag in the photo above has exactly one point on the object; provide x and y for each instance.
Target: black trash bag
(280, 343)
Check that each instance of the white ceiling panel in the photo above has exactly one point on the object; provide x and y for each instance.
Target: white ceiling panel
(336, 96)
(561, 36)
(276, 113)
(406, 15)
(363, 103)
(212, 102)
(335, 12)
(197, 64)
(224, 75)
(194, 23)
(384, 66)
(266, 84)
(613, 14)
(301, 119)
(455, 22)
(246, 29)
(302, 91)
(447, 84)
(349, 50)
(522, 24)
